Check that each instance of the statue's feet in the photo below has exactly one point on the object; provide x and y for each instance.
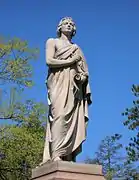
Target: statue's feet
(44, 162)
(57, 159)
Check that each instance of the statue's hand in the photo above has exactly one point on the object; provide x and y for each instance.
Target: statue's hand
(80, 78)
(76, 58)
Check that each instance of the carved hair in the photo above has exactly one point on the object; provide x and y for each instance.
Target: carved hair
(60, 24)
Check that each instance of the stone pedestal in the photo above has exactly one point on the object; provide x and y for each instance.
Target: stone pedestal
(63, 170)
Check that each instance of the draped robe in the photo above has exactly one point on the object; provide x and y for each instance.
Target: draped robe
(68, 100)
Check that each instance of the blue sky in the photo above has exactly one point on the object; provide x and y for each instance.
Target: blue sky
(108, 34)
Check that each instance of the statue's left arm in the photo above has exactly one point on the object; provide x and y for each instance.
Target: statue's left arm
(82, 66)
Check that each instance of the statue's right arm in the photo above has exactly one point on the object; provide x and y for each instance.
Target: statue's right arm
(53, 62)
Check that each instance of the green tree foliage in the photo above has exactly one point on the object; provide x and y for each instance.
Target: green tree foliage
(128, 171)
(115, 166)
(21, 143)
(108, 155)
(132, 122)
(15, 56)
(22, 139)
(8, 103)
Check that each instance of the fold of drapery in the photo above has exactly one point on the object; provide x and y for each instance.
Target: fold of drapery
(68, 101)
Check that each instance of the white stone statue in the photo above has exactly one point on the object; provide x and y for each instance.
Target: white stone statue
(68, 95)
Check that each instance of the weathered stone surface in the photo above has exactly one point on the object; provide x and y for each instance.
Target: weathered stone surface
(69, 95)
(62, 170)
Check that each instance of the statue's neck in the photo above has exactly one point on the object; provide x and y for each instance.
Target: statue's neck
(65, 37)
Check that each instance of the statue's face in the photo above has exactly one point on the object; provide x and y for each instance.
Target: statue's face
(67, 27)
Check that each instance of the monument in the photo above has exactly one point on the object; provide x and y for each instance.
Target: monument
(69, 96)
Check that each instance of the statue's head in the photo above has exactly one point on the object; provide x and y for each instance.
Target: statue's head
(64, 22)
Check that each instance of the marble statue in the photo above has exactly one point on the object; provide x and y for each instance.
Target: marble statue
(68, 95)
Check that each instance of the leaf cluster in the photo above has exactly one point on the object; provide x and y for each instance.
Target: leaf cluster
(21, 143)
(15, 57)
(132, 122)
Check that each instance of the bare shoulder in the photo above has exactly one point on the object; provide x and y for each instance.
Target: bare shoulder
(77, 46)
(51, 41)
